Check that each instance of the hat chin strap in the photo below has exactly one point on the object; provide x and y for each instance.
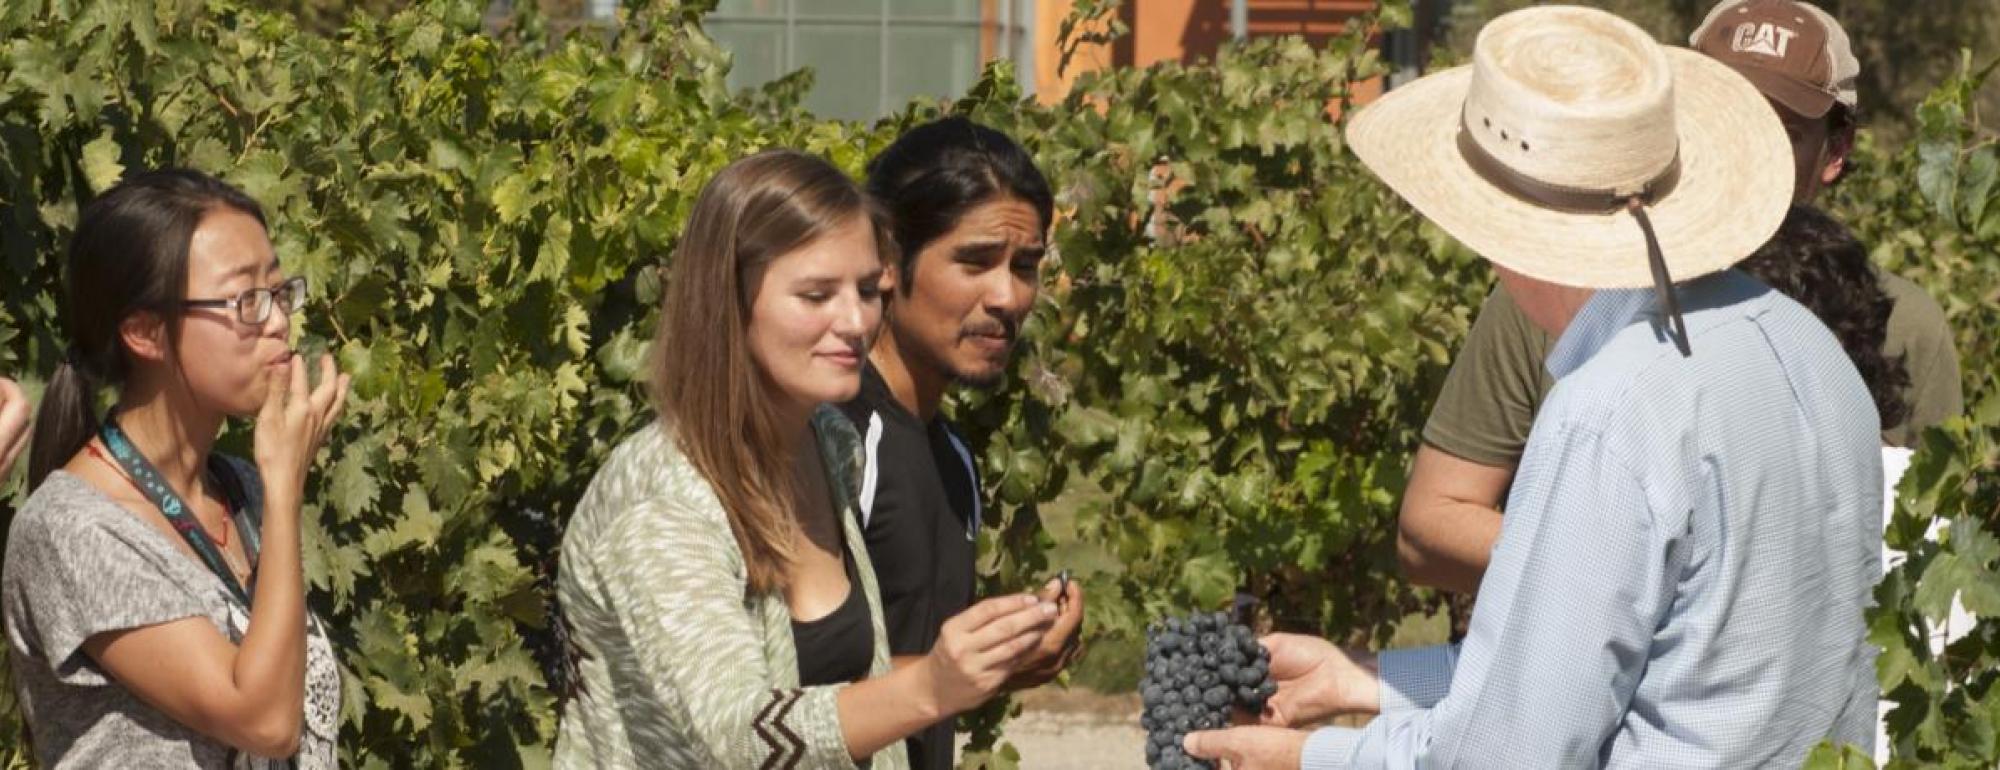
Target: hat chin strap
(1581, 200)
(1663, 284)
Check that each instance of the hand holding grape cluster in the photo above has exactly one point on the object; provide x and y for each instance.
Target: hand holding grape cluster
(1198, 670)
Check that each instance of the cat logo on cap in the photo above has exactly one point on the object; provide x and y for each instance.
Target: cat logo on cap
(1767, 39)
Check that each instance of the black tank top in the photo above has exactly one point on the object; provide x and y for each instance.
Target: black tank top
(840, 647)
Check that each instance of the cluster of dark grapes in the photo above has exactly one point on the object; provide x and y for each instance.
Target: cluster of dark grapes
(551, 645)
(1198, 669)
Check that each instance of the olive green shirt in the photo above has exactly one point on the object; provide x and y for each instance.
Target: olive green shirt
(1489, 399)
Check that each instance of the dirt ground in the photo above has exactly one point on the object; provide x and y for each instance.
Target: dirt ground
(1082, 730)
(1078, 730)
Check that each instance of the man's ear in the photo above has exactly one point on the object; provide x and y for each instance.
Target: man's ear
(1839, 145)
(144, 333)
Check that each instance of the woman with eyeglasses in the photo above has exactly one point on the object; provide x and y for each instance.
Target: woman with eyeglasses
(154, 603)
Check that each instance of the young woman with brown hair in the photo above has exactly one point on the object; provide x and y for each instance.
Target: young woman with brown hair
(713, 577)
(155, 607)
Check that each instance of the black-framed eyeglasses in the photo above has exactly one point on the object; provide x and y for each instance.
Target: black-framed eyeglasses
(253, 306)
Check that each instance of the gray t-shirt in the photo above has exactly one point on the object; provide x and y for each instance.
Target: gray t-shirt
(78, 564)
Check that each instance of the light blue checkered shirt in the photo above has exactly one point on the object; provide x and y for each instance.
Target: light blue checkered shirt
(1680, 578)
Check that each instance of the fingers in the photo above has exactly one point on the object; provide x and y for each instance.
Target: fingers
(1214, 744)
(327, 399)
(14, 415)
(1073, 651)
(1047, 654)
(1071, 626)
(1279, 643)
(1049, 648)
(1303, 700)
(297, 415)
(1248, 748)
(297, 396)
(978, 615)
(1293, 655)
(1012, 651)
(13, 451)
(274, 396)
(1059, 643)
(1027, 621)
(1280, 711)
(339, 399)
(329, 384)
(1072, 614)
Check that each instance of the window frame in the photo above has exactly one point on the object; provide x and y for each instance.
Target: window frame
(1009, 22)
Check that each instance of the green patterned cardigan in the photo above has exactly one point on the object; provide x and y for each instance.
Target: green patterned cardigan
(682, 667)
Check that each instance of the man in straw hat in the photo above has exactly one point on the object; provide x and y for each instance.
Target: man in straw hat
(1694, 529)
(1800, 59)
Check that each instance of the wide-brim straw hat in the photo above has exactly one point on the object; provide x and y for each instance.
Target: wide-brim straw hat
(1531, 155)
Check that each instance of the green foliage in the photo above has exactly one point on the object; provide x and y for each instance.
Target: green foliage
(483, 223)
(1932, 212)
(1090, 22)
(1239, 336)
(326, 16)
(1829, 757)
(1240, 331)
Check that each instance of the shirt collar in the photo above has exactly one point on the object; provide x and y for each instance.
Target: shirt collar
(1600, 319)
(1611, 310)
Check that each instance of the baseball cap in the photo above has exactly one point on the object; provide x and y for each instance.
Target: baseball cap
(1792, 51)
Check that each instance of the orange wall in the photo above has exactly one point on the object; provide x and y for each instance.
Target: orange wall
(1161, 28)
(1187, 30)
(1180, 30)
(1051, 87)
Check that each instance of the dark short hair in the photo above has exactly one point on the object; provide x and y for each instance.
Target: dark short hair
(934, 173)
(1841, 123)
(1816, 261)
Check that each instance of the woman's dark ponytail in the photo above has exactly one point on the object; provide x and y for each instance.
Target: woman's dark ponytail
(67, 420)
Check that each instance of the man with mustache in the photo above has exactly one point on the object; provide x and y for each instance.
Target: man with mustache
(971, 215)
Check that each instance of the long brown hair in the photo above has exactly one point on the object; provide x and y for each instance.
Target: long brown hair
(709, 391)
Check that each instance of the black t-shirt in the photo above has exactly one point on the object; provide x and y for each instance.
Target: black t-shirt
(920, 514)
